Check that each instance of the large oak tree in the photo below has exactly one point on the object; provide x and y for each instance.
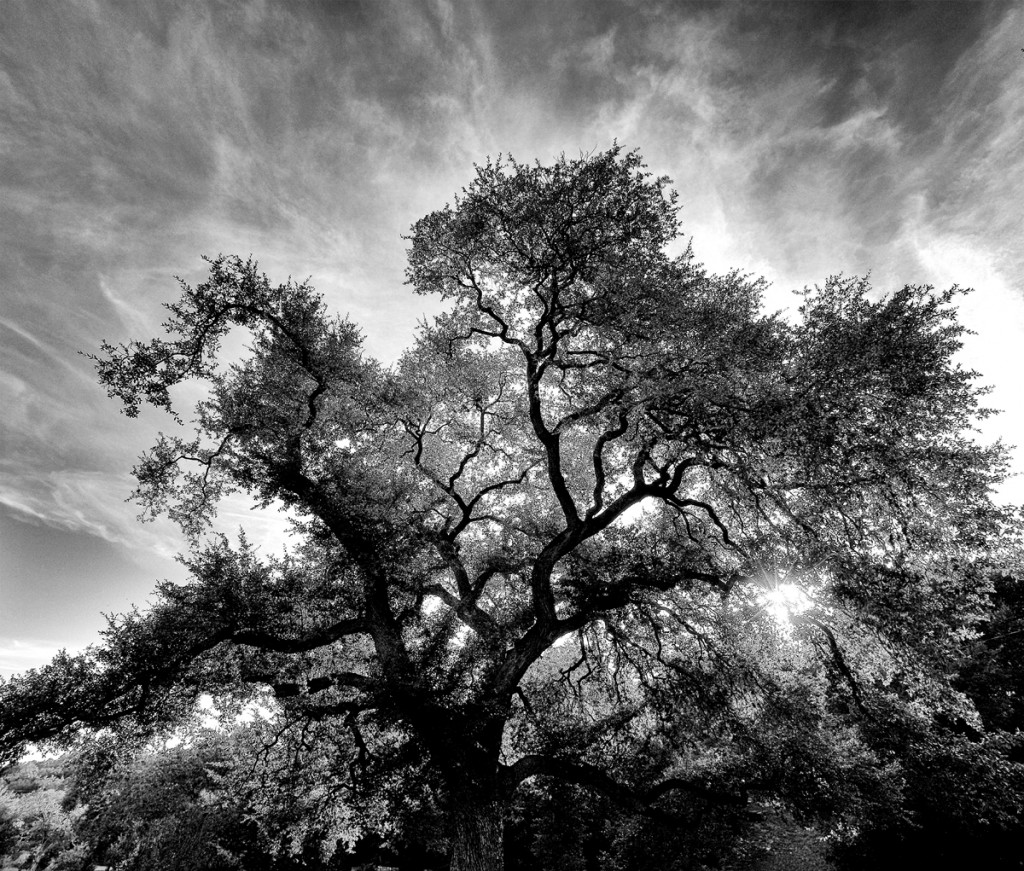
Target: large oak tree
(544, 544)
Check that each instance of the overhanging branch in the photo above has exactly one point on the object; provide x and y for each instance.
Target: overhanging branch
(582, 774)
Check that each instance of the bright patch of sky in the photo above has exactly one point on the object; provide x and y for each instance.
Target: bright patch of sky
(783, 602)
(804, 139)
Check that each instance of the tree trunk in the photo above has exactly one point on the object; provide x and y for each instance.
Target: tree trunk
(478, 843)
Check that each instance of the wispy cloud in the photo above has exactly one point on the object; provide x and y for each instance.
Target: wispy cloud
(88, 502)
(17, 656)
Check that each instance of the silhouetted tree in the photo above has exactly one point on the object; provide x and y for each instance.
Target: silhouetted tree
(543, 544)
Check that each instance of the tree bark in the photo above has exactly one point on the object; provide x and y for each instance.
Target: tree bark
(478, 842)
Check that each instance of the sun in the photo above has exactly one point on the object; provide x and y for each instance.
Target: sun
(784, 601)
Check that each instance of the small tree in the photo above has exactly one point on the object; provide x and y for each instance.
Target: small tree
(164, 810)
(539, 546)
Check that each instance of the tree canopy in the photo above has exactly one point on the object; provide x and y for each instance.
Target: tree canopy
(543, 547)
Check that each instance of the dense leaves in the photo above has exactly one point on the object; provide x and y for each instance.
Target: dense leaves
(543, 547)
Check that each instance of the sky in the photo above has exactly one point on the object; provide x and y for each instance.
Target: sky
(804, 138)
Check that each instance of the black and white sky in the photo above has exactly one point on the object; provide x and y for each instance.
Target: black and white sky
(804, 138)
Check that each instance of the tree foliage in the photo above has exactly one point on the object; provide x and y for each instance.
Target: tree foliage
(162, 810)
(34, 824)
(540, 548)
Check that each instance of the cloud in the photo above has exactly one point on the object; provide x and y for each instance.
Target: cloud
(95, 504)
(16, 655)
(88, 502)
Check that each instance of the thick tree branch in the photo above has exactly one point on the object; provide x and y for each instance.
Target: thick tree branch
(471, 614)
(263, 640)
(550, 441)
(837, 658)
(582, 774)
